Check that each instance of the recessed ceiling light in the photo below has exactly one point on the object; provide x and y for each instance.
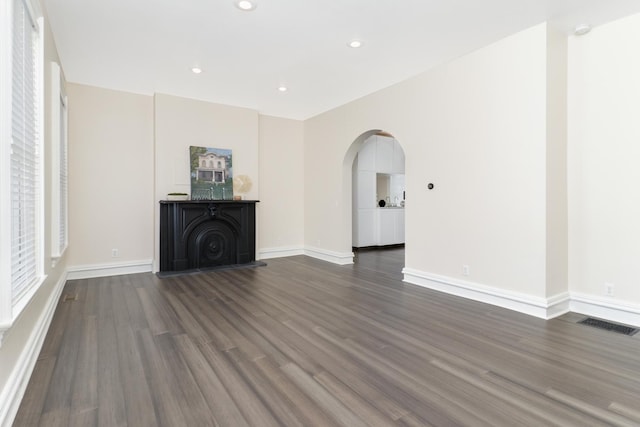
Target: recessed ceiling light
(582, 29)
(196, 70)
(245, 5)
(355, 44)
(282, 88)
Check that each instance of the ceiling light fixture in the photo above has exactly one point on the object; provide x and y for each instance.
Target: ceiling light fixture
(355, 44)
(582, 29)
(282, 88)
(245, 5)
(196, 70)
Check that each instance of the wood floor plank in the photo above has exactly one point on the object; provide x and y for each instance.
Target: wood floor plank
(135, 313)
(87, 418)
(30, 410)
(85, 389)
(279, 405)
(111, 410)
(136, 391)
(625, 411)
(546, 406)
(155, 320)
(305, 407)
(161, 382)
(411, 420)
(249, 403)
(58, 400)
(302, 342)
(226, 321)
(609, 417)
(53, 340)
(438, 405)
(253, 343)
(272, 336)
(58, 417)
(372, 388)
(188, 321)
(205, 314)
(365, 411)
(223, 408)
(331, 405)
(186, 390)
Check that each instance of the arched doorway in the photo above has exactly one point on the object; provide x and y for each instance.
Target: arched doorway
(378, 202)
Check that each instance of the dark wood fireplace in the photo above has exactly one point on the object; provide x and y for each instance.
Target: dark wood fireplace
(206, 234)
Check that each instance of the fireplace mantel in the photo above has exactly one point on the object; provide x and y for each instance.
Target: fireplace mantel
(206, 234)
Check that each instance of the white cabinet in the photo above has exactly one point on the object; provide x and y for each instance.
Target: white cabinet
(367, 155)
(386, 227)
(384, 154)
(390, 226)
(366, 190)
(398, 158)
(399, 223)
(367, 226)
(379, 227)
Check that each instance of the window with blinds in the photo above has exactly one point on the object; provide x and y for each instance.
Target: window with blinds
(59, 191)
(25, 153)
(63, 238)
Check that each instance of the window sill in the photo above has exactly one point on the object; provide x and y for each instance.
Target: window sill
(19, 308)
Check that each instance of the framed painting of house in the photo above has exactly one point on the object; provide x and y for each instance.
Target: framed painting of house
(211, 173)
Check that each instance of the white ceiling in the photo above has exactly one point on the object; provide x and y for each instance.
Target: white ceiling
(147, 46)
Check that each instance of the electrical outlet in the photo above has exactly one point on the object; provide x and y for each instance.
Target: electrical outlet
(114, 253)
(465, 270)
(608, 289)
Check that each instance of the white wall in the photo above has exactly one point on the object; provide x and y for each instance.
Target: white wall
(281, 207)
(604, 154)
(476, 128)
(110, 177)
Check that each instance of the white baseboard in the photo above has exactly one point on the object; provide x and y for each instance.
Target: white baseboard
(16, 385)
(544, 308)
(269, 253)
(606, 308)
(103, 270)
(341, 258)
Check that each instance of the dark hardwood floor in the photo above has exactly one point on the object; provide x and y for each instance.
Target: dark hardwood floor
(302, 342)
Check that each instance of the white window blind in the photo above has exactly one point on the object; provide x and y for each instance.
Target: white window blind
(63, 237)
(25, 153)
(59, 192)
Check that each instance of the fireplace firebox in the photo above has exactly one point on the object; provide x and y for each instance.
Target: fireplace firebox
(206, 234)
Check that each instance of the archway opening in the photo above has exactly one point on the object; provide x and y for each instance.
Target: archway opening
(378, 202)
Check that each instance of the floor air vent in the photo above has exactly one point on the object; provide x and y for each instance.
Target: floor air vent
(613, 327)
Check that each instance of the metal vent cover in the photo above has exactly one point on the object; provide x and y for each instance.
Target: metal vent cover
(609, 326)
(70, 297)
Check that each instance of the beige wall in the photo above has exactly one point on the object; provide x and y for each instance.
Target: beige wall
(476, 128)
(281, 207)
(156, 132)
(556, 164)
(604, 153)
(20, 344)
(110, 176)
(182, 122)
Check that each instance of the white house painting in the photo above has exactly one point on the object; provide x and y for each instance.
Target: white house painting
(211, 173)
